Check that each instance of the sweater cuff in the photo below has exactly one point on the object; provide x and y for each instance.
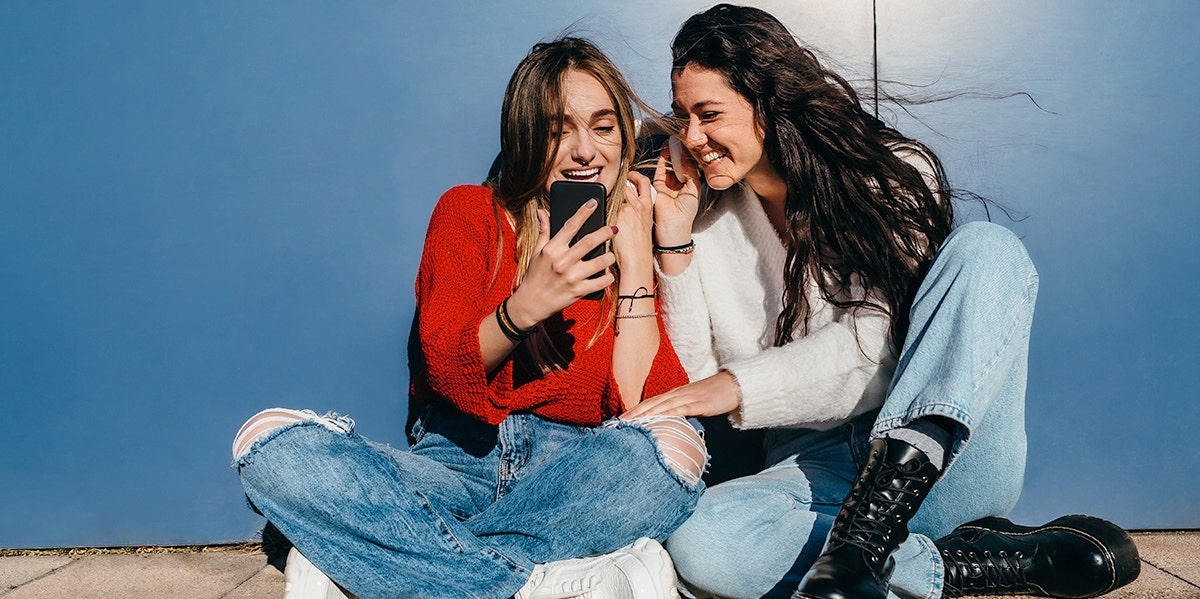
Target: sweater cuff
(473, 392)
(761, 405)
(686, 320)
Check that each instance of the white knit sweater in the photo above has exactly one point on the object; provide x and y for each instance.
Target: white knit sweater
(721, 311)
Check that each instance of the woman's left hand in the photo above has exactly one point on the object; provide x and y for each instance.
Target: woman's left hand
(635, 221)
(712, 396)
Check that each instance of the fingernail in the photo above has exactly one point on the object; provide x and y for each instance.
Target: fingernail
(591, 203)
(614, 228)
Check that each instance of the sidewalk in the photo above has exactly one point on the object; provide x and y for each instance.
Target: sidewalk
(1170, 570)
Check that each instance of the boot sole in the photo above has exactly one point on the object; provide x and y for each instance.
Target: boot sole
(1110, 538)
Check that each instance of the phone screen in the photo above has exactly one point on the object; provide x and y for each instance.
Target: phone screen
(566, 197)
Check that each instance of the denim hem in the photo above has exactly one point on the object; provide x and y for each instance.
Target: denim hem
(508, 588)
(945, 410)
(662, 460)
(953, 412)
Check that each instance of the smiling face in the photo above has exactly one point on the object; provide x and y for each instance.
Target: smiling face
(589, 136)
(720, 130)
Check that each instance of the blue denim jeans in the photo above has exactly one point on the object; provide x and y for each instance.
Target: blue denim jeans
(470, 508)
(965, 359)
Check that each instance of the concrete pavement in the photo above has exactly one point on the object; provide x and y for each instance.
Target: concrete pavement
(1170, 570)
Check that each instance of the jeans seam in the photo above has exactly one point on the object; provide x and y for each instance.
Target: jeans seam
(937, 573)
(1008, 338)
(499, 591)
(515, 448)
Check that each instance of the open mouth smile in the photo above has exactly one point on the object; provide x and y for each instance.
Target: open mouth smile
(581, 174)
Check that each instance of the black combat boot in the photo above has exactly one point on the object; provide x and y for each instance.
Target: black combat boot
(857, 562)
(1073, 556)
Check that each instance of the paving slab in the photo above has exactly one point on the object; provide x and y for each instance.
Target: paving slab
(16, 571)
(148, 576)
(1192, 575)
(1170, 550)
(1177, 553)
(1170, 570)
(266, 584)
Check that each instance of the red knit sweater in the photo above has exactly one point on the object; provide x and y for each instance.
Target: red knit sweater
(456, 289)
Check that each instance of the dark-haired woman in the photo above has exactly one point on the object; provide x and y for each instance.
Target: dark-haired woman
(813, 284)
(519, 480)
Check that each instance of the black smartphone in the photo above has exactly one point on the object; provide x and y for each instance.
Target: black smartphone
(566, 197)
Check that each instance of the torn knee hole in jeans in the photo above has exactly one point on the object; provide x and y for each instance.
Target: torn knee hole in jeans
(273, 419)
(680, 445)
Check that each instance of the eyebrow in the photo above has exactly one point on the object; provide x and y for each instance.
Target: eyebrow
(602, 113)
(599, 114)
(699, 106)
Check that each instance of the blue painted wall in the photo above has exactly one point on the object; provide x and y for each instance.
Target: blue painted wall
(210, 208)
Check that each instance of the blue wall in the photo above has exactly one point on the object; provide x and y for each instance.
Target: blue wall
(209, 208)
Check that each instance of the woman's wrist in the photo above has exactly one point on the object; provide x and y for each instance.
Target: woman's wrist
(636, 268)
(672, 236)
(674, 263)
(517, 315)
(683, 248)
(510, 330)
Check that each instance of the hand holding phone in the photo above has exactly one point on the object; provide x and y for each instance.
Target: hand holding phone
(566, 197)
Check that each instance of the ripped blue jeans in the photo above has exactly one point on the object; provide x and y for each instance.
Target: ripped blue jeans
(470, 508)
(964, 359)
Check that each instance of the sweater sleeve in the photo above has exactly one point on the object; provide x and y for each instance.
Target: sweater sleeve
(686, 320)
(456, 272)
(819, 380)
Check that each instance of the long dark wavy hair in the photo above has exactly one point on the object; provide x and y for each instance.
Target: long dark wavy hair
(854, 204)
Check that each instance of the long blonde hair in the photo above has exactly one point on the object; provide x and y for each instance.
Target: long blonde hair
(533, 102)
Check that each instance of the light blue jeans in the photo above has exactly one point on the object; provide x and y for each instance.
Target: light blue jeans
(965, 359)
(470, 508)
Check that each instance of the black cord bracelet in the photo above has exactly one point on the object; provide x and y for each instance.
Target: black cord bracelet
(510, 330)
(639, 293)
(675, 249)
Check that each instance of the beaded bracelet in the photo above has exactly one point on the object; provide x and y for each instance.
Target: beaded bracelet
(510, 330)
(675, 249)
(646, 315)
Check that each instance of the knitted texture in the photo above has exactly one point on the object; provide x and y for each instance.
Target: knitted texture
(721, 313)
(459, 282)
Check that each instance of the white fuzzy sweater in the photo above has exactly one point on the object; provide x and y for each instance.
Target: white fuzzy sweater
(721, 311)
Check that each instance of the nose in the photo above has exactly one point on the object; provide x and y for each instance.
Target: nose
(692, 136)
(583, 148)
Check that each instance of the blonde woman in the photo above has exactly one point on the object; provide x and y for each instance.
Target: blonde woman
(520, 481)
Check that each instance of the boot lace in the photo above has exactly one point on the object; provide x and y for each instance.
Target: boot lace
(970, 573)
(869, 515)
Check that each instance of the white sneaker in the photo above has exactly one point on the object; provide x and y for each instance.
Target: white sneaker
(303, 580)
(642, 570)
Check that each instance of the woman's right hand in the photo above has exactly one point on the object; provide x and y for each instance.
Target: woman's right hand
(558, 275)
(678, 198)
